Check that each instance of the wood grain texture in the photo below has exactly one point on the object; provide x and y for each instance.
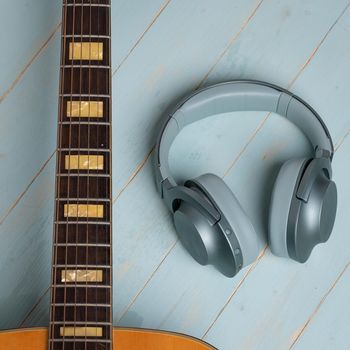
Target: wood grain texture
(124, 339)
(302, 45)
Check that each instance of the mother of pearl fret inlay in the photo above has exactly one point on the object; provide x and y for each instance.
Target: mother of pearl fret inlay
(85, 109)
(86, 51)
(82, 276)
(81, 331)
(84, 210)
(83, 162)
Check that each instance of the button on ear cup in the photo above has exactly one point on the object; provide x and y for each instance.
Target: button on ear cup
(227, 203)
(280, 204)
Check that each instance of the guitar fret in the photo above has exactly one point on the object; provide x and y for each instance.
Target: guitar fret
(73, 200)
(83, 285)
(79, 340)
(82, 222)
(81, 245)
(79, 266)
(85, 66)
(85, 95)
(85, 36)
(84, 123)
(103, 150)
(81, 323)
(83, 175)
(78, 81)
(81, 305)
(87, 5)
(87, 20)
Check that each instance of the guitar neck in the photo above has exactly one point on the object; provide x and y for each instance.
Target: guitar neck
(81, 293)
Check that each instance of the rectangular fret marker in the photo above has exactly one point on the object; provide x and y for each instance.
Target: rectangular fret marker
(82, 276)
(86, 51)
(81, 331)
(83, 210)
(85, 109)
(84, 162)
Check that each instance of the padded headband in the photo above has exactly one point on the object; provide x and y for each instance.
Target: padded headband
(234, 96)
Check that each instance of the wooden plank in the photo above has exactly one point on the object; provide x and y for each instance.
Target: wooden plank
(25, 256)
(25, 29)
(329, 325)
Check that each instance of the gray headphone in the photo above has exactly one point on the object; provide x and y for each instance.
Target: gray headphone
(210, 221)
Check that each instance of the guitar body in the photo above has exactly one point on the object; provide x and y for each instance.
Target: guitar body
(123, 339)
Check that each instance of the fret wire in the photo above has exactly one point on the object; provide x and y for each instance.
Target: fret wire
(97, 245)
(85, 66)
(81, 340)
(98, 200)
(65, 286)
(103, 150)
(86, 266)
(85, 123)
(87, 95)
(85, 36)
(81, 323)
(87, 5)
(90, 175)
(83, 222)
(81, 304)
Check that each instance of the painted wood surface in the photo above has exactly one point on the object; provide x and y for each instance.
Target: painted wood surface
(161, 51)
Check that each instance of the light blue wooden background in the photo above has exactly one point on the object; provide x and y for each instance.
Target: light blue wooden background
(163, 49)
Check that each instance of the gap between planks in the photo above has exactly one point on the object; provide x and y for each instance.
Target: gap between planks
(319, 305)
(27, 66)
(160, 11)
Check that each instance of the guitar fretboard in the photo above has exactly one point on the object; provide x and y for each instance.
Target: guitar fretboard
(81, 294)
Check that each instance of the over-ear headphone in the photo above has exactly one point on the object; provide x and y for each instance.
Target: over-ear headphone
(211, 223)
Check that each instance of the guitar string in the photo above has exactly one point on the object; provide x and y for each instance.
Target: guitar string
(69, 170)
(109, 87)
(88, 171)
(97, 184)
(75, 314)
(58, 178)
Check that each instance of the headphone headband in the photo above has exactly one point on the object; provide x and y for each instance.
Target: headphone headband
(234, 96)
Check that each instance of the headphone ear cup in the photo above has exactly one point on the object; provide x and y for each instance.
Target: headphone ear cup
(281, 199)
(227, 203)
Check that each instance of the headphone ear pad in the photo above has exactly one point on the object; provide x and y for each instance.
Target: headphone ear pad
(280, 204)
(227, 203)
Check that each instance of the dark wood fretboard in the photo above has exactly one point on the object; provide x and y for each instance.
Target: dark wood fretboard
(81, 293)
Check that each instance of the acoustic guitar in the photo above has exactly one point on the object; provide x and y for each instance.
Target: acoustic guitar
(81, 290)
